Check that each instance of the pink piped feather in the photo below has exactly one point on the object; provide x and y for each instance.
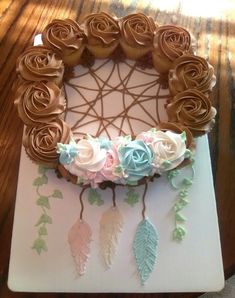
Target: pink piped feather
(79, 239)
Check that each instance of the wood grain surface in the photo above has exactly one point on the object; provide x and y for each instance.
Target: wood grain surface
(214, 29)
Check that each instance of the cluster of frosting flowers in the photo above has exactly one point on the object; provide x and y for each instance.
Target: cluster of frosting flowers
(123, 160)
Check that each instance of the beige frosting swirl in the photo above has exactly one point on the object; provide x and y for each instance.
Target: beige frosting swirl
(189, 72)
(137, 29)
(39, 102)
(39, 63)
(177, 128)
(64, 36)
(40, 142)
(172, 41)
(193, 109)
(101, 29)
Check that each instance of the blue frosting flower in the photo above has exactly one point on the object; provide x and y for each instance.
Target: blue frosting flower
(105, 143)
(67, 152)
(136, 160)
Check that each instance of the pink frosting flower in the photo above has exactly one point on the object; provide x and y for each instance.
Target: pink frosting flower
(146, 137)
(111, 162)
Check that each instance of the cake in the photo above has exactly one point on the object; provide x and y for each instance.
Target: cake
(181, 83)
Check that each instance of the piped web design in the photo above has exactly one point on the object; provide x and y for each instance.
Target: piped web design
(114, 99)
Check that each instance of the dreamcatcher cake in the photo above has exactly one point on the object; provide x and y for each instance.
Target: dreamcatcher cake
(115, 103)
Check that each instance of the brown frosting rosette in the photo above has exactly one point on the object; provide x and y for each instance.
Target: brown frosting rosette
(40, 142)
(39, 102)
(38, 63)
(137, 29)
(101, 29)
(189, 72)
(193, 109)
(65, 37)
(170, 42)
(103, 34)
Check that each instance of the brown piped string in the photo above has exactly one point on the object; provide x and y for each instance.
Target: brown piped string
(87, 108)
(81, 201)
(114, 196)
(143, 199)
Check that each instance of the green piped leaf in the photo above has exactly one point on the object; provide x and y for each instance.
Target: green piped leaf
(187, 182)
(183, 136)
(145, 248)
(183, 202)
(179, 217)
(39, 245)
(42, 170)
(42, 231)
(39, 181)
(178, 207)
(94, 197)
(183, 193)
(44, 218)
(43, 201)
(132, 197)
(57, 194)
(179, 233)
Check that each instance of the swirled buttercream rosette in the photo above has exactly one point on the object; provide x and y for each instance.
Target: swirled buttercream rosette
(170, 42)
(39, 63)
(193, 109)
(39, 102)
(137, 32)
(191, 72)
(40, 142)
(67, 38)
(103, 34)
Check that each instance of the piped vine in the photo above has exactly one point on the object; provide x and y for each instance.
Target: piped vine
(182, 199)
(43, 201)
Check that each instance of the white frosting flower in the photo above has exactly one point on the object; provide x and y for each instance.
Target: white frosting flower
(169, 150)
(90, 156)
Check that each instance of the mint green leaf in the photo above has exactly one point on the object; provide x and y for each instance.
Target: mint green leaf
(178, 207)
(43, 201)
(145, 248)
(57, 194)
(187, 182)
(39, 245)
(94, 197)
(183, 136)
(179, 233)
(132, 197)
(42, 170)
(183, 193)
(179, 217)
(183, 202)
(44, 218)
(42, 231)
(40, 180)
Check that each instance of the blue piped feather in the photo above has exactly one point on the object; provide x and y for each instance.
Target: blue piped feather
(145, 248)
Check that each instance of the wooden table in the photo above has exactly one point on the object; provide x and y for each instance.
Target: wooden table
(214, 29)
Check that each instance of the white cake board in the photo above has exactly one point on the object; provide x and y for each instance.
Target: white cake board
(193, 265)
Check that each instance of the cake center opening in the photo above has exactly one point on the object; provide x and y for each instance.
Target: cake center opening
(114, 98)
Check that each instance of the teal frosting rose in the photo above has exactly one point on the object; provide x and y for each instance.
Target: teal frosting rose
(136, 160)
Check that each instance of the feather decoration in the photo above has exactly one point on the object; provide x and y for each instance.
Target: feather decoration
(111, 224)
(145, 248)
(79, 238)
